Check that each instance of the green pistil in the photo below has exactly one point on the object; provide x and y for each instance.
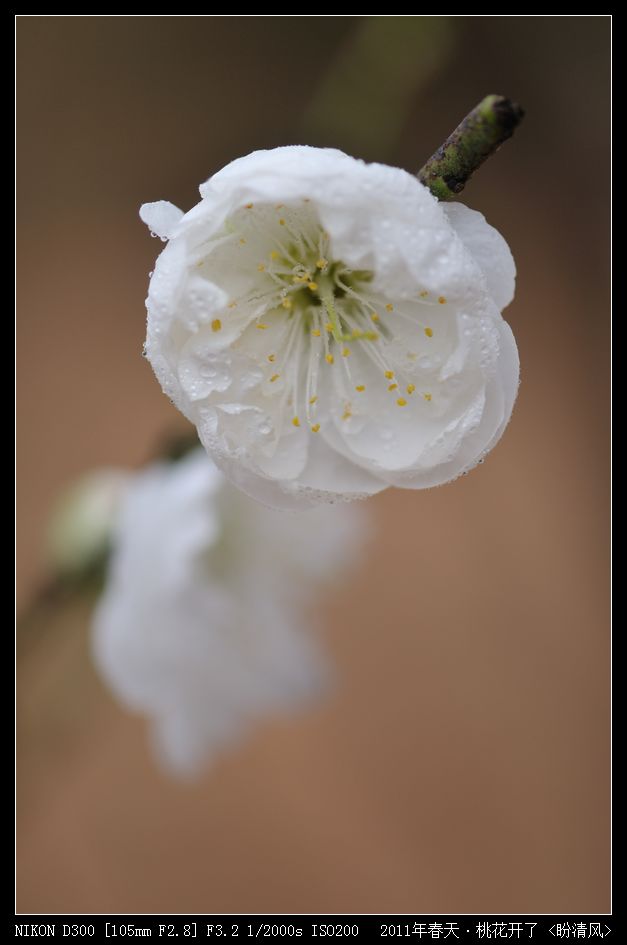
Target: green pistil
(334, 321)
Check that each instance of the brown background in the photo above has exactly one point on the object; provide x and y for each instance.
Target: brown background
(462, 763)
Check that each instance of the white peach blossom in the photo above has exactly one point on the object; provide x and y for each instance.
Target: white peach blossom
(203, 624)
(331, 328)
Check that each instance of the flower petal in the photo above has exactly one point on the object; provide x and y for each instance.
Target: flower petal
(500, 396)
(161, 217)
(488, 248)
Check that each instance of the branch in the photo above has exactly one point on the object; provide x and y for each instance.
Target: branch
(480, 134)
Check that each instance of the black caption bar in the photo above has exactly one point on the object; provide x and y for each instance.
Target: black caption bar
(470, 928)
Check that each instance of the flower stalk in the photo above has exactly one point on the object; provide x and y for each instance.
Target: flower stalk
(479, 135)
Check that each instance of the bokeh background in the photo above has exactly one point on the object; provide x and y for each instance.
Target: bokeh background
(462, 762)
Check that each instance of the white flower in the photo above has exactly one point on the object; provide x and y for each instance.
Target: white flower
(330, 328)
(201, 626)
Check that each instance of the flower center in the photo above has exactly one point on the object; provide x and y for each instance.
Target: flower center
(315, 306)
(325, 294)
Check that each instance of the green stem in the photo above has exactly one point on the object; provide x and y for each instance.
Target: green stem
(479, 135)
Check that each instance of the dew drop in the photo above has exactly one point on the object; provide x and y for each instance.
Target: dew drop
(251, 379)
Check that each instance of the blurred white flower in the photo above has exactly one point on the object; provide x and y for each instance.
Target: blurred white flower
(330, 328)
(202, 626)
(79, 532)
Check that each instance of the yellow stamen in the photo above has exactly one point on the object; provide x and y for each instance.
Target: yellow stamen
(275, 254)
(371, 335)
(261, 326)
(329, 358)
(361, 388)
(401, 402)
(427, 396)
(346, 352)
(411, 388)
(261, 268)
(389, 375)
(389, 307)
(313, 286)
(315, 332)
(347, 412)
(296, 422)
(321, 263)
(442, 300)
(375, 317)
(424, 294)
(313, 399)
(282, 222)
(328, 326)
(274, 378)
(393, 387)
(249, 206)
(242, 241)
(216, 325)
(315, 428)
(232, 305)
(286, 303)
(429, 332)
(271, 357)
